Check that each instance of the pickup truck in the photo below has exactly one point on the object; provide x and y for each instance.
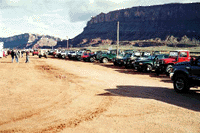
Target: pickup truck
(185, 75)
(177, 56)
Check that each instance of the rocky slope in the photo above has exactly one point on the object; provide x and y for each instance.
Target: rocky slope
(143, 23)
(29, 41)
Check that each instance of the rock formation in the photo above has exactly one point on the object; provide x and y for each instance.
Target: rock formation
(29, 41)
(145, 22)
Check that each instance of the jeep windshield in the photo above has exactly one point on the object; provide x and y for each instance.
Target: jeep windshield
(173, 54)
(127, 55)
(151, 57)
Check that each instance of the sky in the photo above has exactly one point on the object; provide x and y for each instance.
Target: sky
(60, 18)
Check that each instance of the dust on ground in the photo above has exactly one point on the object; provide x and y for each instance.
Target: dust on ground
(53, 95)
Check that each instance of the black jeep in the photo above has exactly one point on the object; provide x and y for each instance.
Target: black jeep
(186, 75)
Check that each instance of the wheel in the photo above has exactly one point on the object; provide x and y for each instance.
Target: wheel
(148, 68)
(63, 56)
(40, 56)
(105, 60)
(181, 84)
(33, 54)
(168, 69)
(79, 58)
(91, 59)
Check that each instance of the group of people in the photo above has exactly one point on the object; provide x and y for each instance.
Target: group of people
(16, 54)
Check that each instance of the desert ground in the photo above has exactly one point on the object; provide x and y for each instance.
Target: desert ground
(54, 95)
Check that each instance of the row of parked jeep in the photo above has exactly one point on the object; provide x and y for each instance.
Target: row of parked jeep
(183, 69)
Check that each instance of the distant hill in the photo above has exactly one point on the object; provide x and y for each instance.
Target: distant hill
(173, 24)
(169, 23)
(29, 41)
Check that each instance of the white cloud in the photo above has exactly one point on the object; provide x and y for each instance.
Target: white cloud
(59, 17)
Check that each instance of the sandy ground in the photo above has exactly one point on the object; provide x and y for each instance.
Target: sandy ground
(54, 95)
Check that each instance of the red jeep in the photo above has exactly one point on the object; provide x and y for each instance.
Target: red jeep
(35, 52)
(165, 65)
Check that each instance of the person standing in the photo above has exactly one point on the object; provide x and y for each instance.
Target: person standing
(12, 55)
(27, 56)
(22, 52)
(16, 56)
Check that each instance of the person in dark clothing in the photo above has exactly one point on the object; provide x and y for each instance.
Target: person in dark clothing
(12, 55)
(16, 56)
(27, 56)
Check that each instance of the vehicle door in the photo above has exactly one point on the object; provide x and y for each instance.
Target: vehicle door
(195, 68)
(183, 56)
(112, 54)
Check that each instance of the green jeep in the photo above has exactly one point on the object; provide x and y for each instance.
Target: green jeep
(149, 64)
(105, 57)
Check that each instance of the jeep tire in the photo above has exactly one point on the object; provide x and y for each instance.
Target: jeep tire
(63, 57)
(91, 59)
(79, 58)
(168, 69)
(104, 60)
(148, 68)
(181, 83)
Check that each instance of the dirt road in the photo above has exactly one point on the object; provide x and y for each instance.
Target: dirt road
(53, 95)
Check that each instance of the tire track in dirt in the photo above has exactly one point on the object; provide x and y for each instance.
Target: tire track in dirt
(88, 116)
(55, 125)
(37, 112)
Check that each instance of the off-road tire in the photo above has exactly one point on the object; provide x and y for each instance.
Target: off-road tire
(79, 58)
(91, 59)
(181, 83)
(104, 60)
(33, 54)
(168, 69)
(40, 56)
(63, 57)
(148, 68)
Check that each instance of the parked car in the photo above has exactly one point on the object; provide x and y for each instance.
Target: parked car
(130, 61)
(105, 57)
(50, 52)
(42, 53)
(149, 64)
(35, 52)
(177, 56)
(56, 52)
(120, 60)
(186, 75)
(63, 54)
(72, 55)
(89, 57)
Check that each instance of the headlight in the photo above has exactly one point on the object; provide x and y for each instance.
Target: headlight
(140, 63)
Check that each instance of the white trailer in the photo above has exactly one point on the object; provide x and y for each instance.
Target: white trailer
(1, 49)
